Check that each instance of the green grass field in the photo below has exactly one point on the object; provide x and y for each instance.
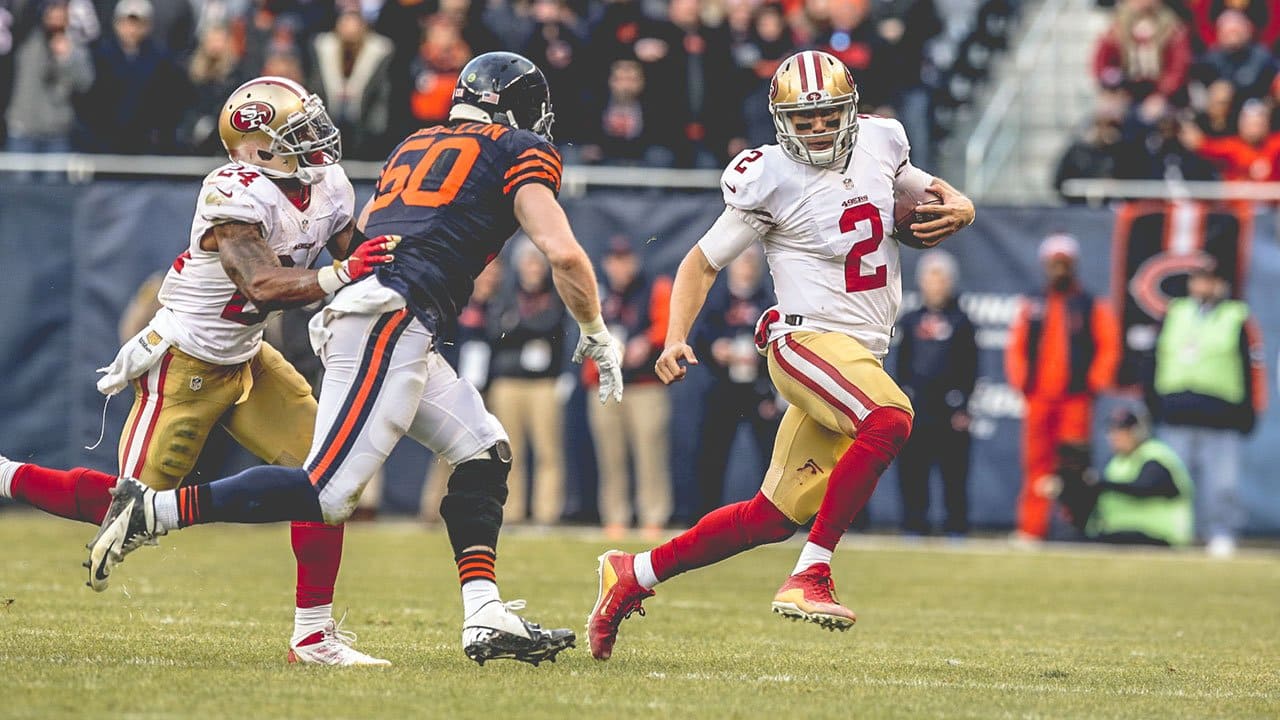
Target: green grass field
(199, 627)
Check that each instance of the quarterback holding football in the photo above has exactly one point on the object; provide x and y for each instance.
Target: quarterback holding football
(822, 203)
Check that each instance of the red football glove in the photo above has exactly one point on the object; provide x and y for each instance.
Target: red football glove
(371, 253)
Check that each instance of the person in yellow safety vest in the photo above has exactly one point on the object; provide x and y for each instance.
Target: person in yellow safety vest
(1145, 495)
(1208, 388)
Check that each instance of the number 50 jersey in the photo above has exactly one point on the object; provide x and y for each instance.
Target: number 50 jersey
(449, 193)
(826, 233)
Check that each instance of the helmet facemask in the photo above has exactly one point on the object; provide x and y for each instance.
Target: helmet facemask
(307, 137)
(540, 126)
(843, 135)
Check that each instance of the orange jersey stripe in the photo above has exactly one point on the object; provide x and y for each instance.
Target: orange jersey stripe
(536, 153)
(529, 176)
(362, 397)
(536, 163)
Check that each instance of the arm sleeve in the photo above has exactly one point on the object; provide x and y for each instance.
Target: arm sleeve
(1106, 338)
(231, 202)
(911, 180)
(732, 233)
(536, 161)
(907, 178)
(751, 187)
(1154, 480)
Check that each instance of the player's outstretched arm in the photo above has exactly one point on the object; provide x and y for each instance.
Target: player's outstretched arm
(955, 213)
(258, 274)
(693, 281)
(544, 221)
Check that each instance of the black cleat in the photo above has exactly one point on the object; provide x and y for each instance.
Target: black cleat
(129, 524)
(495, 632)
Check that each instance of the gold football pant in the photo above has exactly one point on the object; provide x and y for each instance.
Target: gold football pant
(833, 383)
(264, 404)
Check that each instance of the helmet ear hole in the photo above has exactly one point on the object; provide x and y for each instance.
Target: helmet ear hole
(265, 156)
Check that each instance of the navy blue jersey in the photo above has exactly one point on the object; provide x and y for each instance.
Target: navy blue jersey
(448, 192)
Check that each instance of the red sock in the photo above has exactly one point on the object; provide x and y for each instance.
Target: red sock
(78, 493)
(880, 437)
(722, 533)
(318, 549)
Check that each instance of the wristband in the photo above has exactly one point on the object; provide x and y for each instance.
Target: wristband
(329, 279)
(593, 327)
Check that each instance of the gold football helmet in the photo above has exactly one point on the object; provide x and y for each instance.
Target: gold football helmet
(814, 103)
(273, 123)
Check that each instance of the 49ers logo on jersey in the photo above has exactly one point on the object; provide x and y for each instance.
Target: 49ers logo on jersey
(251, 116)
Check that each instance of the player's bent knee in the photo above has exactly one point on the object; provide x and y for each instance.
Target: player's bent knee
(888, 425)
(472, 506)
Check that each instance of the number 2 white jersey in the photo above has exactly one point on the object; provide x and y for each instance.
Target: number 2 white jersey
(204, 314)
(826, 233)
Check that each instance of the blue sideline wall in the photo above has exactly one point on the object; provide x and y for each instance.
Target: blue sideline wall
(72, 256)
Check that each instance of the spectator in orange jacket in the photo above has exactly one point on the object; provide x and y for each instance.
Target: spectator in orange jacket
(1063, 349)
(635, 307)
(1253, 153)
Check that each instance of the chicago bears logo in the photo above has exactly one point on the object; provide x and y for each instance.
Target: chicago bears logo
(251, 116)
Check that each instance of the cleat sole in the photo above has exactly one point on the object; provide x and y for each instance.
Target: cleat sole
(483, 652)
(827, 622)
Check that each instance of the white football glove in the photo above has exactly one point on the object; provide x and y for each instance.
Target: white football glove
(607, 352)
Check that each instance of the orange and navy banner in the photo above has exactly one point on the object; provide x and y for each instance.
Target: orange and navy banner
(1155, 247)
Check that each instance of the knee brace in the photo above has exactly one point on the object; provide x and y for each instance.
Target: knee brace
(472, 507)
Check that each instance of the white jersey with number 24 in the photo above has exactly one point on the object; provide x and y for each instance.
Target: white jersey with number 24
(204, 314)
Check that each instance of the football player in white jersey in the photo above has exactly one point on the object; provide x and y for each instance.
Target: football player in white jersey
(260, 223)
(821, 202)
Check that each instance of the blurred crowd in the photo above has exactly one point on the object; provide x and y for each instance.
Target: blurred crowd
(649, 82)
(1187, 90)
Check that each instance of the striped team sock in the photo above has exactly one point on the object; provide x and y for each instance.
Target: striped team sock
(193, 502)
(479, 582)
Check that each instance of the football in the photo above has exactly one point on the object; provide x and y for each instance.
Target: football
(904, 214)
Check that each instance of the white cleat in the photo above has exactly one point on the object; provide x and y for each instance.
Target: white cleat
(495, 632)
(129, 524)
(335, 647)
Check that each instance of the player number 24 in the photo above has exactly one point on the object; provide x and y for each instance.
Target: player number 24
(436, 177)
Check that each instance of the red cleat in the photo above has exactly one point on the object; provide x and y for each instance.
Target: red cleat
(811, 596)
(620, 595)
